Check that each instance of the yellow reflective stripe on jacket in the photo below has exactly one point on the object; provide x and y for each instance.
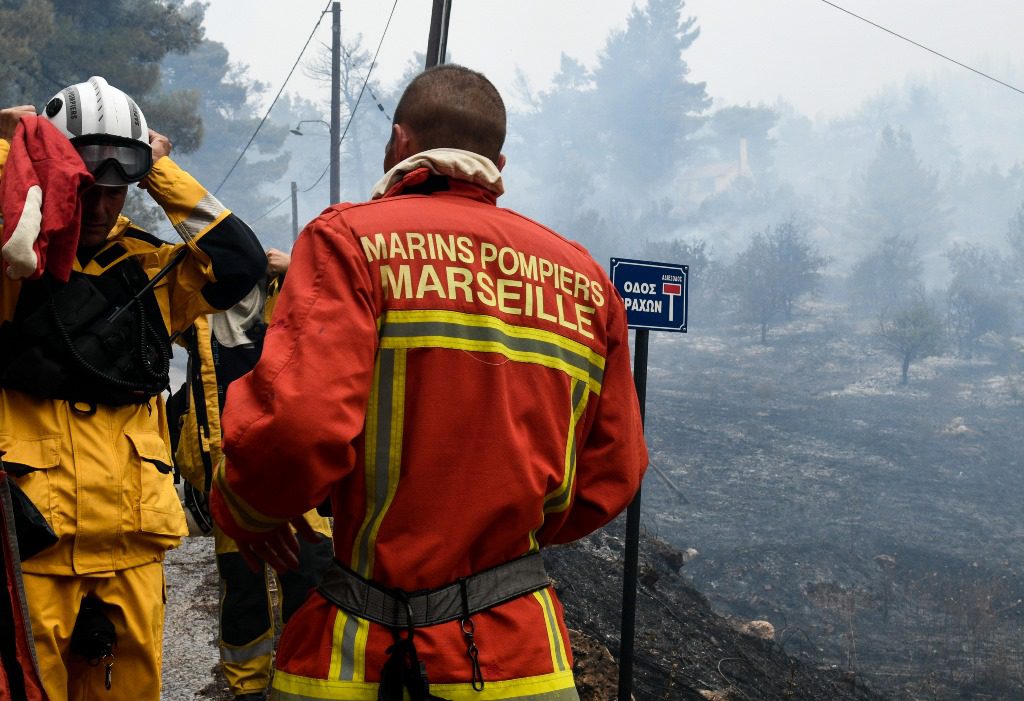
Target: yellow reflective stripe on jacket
(558, 686)
(559, 499)
(244, 515)
(348, 648)
(192, 210)
(430, 328)
(559, 656)
(273, 292)
(385, 417)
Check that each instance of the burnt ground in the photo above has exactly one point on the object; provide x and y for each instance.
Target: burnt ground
(683, 648)
(878, 526)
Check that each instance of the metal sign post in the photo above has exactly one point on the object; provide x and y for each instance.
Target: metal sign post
(655, 295)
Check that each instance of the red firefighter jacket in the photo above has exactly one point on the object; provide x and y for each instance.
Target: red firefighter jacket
(455, 377)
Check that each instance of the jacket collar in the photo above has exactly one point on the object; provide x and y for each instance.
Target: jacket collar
(452, 163)
(120, 225)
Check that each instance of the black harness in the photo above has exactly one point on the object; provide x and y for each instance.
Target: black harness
(96, 339)
(404, 612)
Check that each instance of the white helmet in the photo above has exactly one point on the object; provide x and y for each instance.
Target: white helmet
(107, 129)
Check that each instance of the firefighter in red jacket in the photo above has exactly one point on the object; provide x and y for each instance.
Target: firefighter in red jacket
(455, 378)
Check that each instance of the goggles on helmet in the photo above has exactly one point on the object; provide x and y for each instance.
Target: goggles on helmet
(114, 160)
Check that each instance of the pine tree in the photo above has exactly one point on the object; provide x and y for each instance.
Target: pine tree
(645, 107)
(900, 199)
(46, 45)
(224, 98)
(779, 267)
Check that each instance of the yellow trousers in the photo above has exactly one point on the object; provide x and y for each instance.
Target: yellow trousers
(134, 599)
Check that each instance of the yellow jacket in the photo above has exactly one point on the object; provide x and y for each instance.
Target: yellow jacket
(103, 480)
(218, 356)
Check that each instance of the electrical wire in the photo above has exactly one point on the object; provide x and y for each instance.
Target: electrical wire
(276, 98)
(373, 95)
(922, 46)
(366, 80)
(278, 204)
(350, 117)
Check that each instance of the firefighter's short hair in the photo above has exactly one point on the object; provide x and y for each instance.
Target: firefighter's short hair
(451, 106)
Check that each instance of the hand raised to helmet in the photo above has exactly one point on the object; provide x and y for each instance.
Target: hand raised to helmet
(160, 144)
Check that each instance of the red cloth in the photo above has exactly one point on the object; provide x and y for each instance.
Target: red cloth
(457, 379)
(40, 156)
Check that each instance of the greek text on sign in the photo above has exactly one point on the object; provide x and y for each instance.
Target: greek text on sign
(654, 293)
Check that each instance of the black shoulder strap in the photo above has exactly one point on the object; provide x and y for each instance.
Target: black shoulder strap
(198, 398)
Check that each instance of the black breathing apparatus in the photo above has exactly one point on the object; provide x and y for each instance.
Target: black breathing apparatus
(96, 339)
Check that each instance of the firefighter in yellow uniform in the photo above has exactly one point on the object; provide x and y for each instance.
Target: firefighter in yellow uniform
(222, 347)
(82, 366)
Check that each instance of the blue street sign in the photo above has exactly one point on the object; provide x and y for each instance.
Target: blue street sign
(655, 293)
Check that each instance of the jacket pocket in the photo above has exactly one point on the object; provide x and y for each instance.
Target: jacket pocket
(30, 462)
(159, 509)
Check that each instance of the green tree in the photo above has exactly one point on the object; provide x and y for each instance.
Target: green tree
(596, 154)
(900, 198)
(797, 263)
(46, 45)
(706, 276)
(888, 276)
(778, 267)
(911, 333)
(223, 96)
(752, 285)
(645, 109)
(550, 150)
(976, 302)
(365, 111)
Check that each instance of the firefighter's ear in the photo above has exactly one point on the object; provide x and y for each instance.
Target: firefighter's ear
(501, 162)
(400, 146)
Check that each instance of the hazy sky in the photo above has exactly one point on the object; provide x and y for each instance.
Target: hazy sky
(812, 55)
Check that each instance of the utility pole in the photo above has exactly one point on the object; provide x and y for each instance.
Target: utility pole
(295, 212)
(437, 40)
(335, 102)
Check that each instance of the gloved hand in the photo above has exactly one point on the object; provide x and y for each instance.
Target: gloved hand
(279, 547)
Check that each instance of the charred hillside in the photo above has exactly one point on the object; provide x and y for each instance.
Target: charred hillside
(684, 650)
(880, 521)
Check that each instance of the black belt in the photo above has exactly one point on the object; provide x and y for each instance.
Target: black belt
(460, 599)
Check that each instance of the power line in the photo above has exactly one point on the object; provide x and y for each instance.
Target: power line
(366, 80)
(922, 46)
(276, 97)
(373, 95)
(278, 204)
(350, 117)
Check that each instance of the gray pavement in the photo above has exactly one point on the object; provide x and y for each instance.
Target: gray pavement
(190, 626)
